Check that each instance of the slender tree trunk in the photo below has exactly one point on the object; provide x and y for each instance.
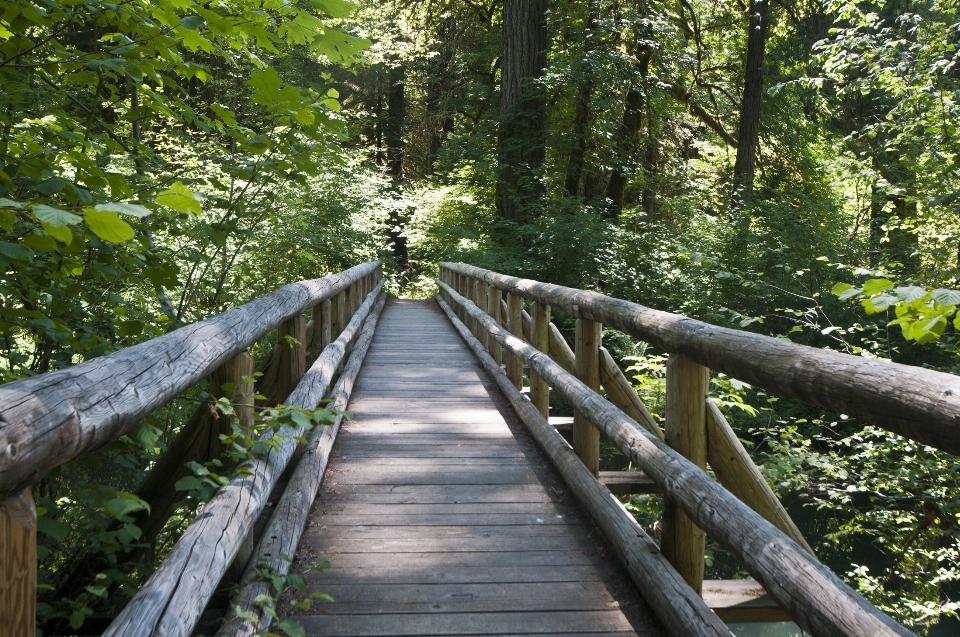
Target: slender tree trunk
(748, 134)
(522, 137)
(393, 135)
(581, 111)
(627, 143)
(438, 118)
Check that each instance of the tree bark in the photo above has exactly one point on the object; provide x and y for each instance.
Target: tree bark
(748, 133)
(522, 136)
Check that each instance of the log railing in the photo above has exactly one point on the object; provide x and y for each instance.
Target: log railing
(741, 513)
(51, 419)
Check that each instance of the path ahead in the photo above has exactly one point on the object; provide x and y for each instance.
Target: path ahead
(442, 519)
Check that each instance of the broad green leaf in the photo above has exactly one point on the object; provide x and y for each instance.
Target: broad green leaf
(292, 628)
(334, 8)
(62, 234)
(188, 483)
(10, 203)
(6, 220)
(41, 242)
(129, 209)
(910, 293)
(14, 251)
(54, 216)
(875, 286)
(179, 197)
(54, 528)
(946, 297)
(107, 225)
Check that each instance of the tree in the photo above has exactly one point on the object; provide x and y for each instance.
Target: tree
(521, 141)
(748, 132)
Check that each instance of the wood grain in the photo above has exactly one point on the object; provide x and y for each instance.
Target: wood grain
(51, 419)
(18, 566)
(586, 437)
(677, 606)
(918, 403)
(172, 599)
(816, 599)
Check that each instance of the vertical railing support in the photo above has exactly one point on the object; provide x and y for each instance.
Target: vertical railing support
(586, 437)
(18, 564)
(480, 298)
(494, 296)
(233, 372)
(540, 338)
(292, 337)
(515, 325)
(686, 431)
(326, 329)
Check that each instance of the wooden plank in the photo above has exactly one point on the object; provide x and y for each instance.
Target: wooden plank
(453, 572)
(815, 598)
(586, 437)
(466, 623)
(452, 508)
(18, 566)
(628, 482)
(438, 493)
(688, 385)
(424, 561)
(506, 532)
(443, 519)
(50, 419)
(741, 601)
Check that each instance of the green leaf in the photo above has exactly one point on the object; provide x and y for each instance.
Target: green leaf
(6, 220)
(334, 8)
(107, 225)
(14, 251)
(10, 203)
(188, 483)
(60, 233)
(41, 242)
(180, 198)
(910, 293)
(54, 216)
(946, 297)
(291, 627)
(53, 528)
(875, 286)
(129, 209)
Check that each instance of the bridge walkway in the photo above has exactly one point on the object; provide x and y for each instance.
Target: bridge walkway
(440, 517)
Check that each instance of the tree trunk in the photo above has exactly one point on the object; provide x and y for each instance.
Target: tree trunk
(629, 130)
(522, 138)
(581, 112)
(749, 130)
(396, 108)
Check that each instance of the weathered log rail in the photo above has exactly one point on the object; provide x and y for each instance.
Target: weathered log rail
(51, 419)
(749, 522)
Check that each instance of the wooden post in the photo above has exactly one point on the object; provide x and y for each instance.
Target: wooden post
(515, 325)
(241, 397)
(480, 298)
(326, 314)
(293, 355)
(586, 437)
(686, 431)
(18, 565)
(494, 295)
(341, 300)
(540, 338)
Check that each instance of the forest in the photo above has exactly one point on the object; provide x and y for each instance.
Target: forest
(788, 167)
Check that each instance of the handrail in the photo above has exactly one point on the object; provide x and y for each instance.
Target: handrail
(917, 403)
(48, 420)
(813, 596)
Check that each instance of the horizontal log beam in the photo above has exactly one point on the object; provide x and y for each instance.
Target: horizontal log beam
(51, 419)
(817, 600)
(918, 403)
(286, 525)
(679, 608)
(171, 601)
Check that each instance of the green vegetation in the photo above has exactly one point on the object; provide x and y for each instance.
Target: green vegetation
(161, 161)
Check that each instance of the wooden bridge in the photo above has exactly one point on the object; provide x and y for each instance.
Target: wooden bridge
(452, 504)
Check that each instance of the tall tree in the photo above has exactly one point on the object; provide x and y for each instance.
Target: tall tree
(748, 134)
(522, 137)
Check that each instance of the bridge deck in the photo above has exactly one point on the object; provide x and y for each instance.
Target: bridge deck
(440, 518)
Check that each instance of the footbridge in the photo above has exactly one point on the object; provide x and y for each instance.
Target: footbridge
(413, 480)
